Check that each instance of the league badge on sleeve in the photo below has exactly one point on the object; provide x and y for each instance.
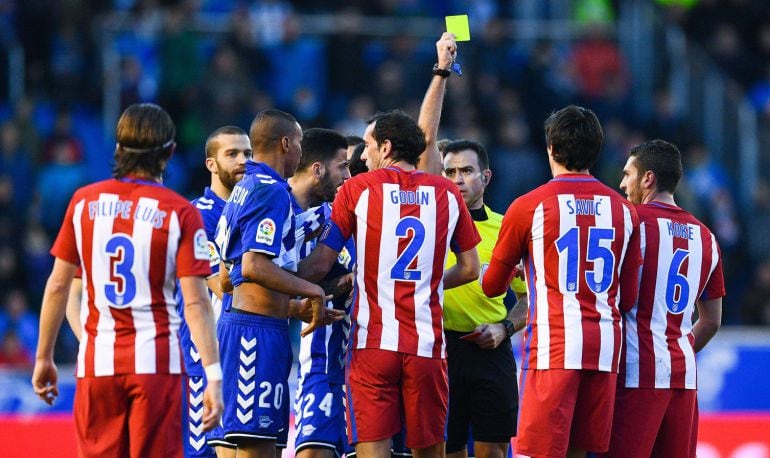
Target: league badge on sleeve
(213, 254)
(266, 231)
(201, 245)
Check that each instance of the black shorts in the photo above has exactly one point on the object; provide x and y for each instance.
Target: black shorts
(483, 393)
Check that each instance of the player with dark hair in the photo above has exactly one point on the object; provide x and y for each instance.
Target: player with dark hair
(403, 221)
(319, 405)
(482, 371)
(483, 395)
(656, 405)
(579, 241)
(227, 150)
(256, 237)
(132, 237)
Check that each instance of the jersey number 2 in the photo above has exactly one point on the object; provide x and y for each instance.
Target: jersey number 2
(121, 286)
(400, 269)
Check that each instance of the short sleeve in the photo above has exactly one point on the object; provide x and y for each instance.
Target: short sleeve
(265, 213)
(192, 258)
(210, 225)
(343, 212)
(510, 247)
(715, 286)
(65, 246)
(465, 236)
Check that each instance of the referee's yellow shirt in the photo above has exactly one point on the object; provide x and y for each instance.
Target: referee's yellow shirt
(466, 306)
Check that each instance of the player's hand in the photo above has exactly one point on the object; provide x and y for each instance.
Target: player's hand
(518, 272)
(302, 309)
(492, 335)
(339, 286)
(318, 306)
(44, 379)
(446, 48)
(212, 404)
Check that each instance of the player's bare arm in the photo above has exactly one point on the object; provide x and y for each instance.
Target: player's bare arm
(200, 318)
(44, 376)
(466, 270)
(225, 285)
(269, 286)
(73, 306)
(493, 334)
(318, 263)
(709, 321)
(430, 110)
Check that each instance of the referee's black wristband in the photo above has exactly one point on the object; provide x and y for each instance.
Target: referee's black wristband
(438, 71)
(509, 329)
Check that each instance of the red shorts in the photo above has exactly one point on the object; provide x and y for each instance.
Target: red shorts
(565, 408)
(654, 422)
(129, 415)
(385, 386)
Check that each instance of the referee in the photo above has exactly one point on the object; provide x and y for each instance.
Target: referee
(483, 394)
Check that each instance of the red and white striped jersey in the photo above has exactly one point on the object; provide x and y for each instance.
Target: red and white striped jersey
(682, 264)
(403, 224)
(133, 238)
(580, 243)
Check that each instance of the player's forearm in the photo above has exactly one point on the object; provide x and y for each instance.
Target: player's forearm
(264, 273)
(709, 321)
(430, 117)
(497, 278)
(73, 307)
(52, 315)
(518, 314)
(214, 286)
(199, 316)
(317, 265)
(465, 271)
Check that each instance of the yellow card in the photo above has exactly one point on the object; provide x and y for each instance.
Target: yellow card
(458, 25)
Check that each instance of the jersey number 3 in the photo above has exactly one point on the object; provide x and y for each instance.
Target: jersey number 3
(400, 270)
(120, 288)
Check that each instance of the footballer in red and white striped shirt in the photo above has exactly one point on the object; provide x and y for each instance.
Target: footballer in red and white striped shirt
(656, 410)
(403, 222)
(579, 241)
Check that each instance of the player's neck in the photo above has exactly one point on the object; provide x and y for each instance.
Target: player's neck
(220, 190)
(662, 197)
(403, 165)
(143, 176)
(274, 161)
(302, 191)
(558, 169)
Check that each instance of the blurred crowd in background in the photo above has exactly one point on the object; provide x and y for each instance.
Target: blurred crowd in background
(52, 140)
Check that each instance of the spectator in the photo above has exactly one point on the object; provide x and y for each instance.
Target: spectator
(17, 318)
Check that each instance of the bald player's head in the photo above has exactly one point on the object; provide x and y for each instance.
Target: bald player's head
(269, 127)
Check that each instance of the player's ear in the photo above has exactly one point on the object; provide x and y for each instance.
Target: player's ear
(486, 176)
(285, 144)
(211, 165)
(318, 170)
(649, 180)
(385, 148)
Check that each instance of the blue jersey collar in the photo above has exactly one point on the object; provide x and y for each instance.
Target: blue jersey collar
(261, 168)
(209, 194)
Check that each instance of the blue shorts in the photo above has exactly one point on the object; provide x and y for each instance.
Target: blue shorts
(194, 439)
(256, 361)
(320, 415)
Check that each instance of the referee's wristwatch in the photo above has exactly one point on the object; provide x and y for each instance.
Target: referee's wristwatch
(509, 329)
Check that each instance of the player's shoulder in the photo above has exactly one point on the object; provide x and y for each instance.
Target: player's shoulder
(653, 211)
